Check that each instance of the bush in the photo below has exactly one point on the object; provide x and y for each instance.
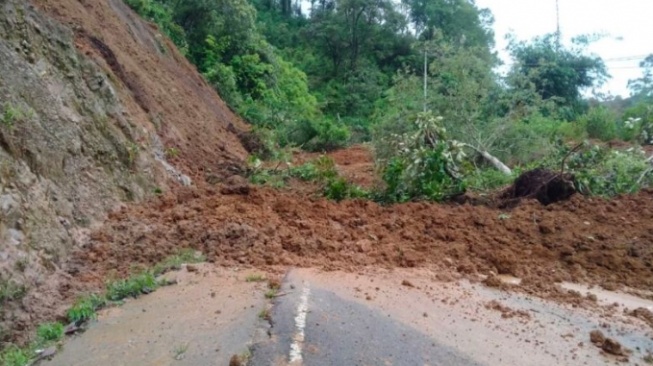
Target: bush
(600, 123)
(133, 286)
(525, 141)
(84, 308)
(14, 356)
(329, 136)
(338, 189)
(604, 172)
(50, 332)
(484, 180)
(421, 164)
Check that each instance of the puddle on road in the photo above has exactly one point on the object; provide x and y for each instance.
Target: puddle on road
(606, 297)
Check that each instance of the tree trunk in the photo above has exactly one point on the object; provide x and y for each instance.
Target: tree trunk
(503, 168)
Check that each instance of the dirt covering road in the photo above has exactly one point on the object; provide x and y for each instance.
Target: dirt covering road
(590, 240)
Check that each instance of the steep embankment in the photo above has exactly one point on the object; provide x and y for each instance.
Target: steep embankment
(96, 109)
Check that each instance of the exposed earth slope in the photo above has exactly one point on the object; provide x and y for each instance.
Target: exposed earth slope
(97, 109)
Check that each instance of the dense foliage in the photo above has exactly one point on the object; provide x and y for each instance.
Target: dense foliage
(323, 74)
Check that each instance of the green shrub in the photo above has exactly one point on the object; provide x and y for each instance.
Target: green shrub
(50, 332)
(175, 261)
(600, 123)
(524, 141)
(133, 286)
(422, 164)
(305, 172)
(85, 308)
(329, 136)
(10, 290)
(15, 356)
(604, 172)
(338, 189)
(484, 180)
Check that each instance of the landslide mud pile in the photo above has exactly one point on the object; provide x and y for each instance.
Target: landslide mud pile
(582, 239)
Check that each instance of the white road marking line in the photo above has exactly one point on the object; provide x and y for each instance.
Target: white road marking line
(300, 324)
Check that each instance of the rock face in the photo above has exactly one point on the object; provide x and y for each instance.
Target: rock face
(96, 109)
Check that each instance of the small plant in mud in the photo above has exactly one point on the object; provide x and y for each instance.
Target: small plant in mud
(10, 290)
(158, 191)
(15, 356)
(50, 332)
(264, 314)
(255, 278)
(271, 293)
(175, 261)
(180, 351)
(85, 308)
(172, 152)
(11, 115)
(134, 286)
(338, 189)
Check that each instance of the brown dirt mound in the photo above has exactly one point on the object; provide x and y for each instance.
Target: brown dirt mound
(593, 240)
(542, 184)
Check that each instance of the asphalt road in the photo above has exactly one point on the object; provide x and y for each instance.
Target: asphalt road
(342, 332)
(372, 319)
(375, 317)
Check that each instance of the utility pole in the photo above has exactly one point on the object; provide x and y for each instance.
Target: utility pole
(558, 34)
(425, 74)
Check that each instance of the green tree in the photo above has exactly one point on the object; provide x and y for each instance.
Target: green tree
(643, 87)
(556, 73)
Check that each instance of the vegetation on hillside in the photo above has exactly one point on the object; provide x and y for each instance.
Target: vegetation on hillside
(334, 72)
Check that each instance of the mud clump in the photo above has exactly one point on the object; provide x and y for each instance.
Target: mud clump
(236, 360)
(597, 337)
(493, 281)
(407, 283)
(643, 314)
(608, 345)
(235, 185)
(507, 312)
(544, 185)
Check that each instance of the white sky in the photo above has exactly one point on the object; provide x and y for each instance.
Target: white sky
(627, 23)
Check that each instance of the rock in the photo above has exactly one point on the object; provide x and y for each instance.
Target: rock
(191, 268)
(493, 281)
(612, 347)
(364, 246)
(235, 185)
(47, 353)
(236, 360)
(407, 283)
(597, 337)
(15, 237)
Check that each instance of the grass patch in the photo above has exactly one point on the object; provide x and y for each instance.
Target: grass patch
(85, 308)
(264, 314)
(134, 286)
(255, 278)
(11, 291)
(50, 332)
(16, 356)
(174, 262)
(180, 351)
(271, 293)
(46, 335)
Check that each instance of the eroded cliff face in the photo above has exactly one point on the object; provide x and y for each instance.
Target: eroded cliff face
(97, 109)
